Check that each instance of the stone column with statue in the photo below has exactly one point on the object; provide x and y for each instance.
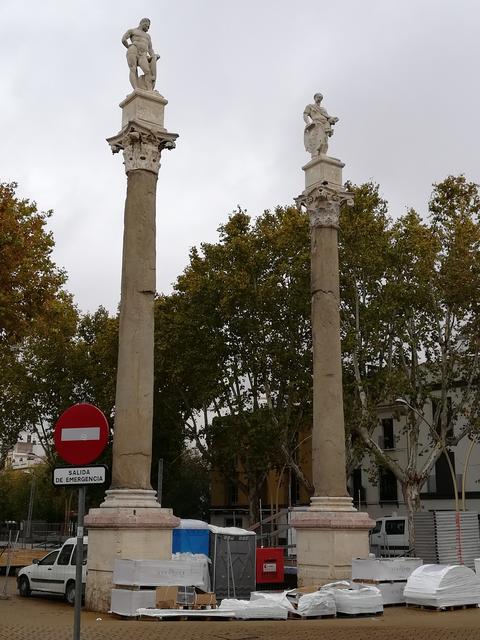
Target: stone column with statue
(331, 531)
(130, 523)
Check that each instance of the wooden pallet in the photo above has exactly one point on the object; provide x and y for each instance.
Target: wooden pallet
(454, 607)
(292, 615)
(378, 614)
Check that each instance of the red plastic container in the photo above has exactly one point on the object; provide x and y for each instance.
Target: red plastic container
(270, 565)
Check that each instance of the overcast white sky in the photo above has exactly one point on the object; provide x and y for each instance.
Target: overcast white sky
(402, 76)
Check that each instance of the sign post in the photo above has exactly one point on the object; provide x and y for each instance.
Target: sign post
(81, 435)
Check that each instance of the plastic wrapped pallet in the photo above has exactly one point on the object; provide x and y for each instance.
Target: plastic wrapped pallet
(436, 585)
(384, 569)
(254, 609)
(317, 603)
(273, 596)
(125, 602)
(351, 599)
(155, 573)
(392, 592)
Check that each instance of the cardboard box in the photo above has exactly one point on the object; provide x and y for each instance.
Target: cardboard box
(166, 597)
(205, 599)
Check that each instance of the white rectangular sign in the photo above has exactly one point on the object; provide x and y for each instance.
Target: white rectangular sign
(80, 433)
(74, 476)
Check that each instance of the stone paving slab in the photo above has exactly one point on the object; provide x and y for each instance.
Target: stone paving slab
(40, 618)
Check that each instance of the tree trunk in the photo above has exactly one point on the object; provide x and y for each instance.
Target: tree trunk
(254, 514)
(411, 495)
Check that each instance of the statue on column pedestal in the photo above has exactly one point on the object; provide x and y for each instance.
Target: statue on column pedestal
(319, 127)
(140, 53)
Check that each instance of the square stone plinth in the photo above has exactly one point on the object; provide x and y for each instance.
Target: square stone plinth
(145, 107)
(322, 169)
(327, 542)
(123, 533)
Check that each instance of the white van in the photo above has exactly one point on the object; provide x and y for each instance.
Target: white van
(55, 573)
(389, 537)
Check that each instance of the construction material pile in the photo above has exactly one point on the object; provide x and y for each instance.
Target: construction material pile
(439, 586)
(389, 575)
(447, 537)
(353, 599)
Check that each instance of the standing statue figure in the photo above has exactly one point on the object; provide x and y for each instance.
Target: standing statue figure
(318, 127)
(140, 53)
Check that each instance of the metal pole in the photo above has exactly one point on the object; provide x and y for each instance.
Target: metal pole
(28, 533)
(79, 564)
(160, 481)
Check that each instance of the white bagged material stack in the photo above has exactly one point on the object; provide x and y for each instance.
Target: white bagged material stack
(125, 602)
(254, 609)
(279, 598)
(438, 585)
(317, 603)
(352, 599)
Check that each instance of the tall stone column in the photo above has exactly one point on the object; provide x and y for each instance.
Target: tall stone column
(130, 523)
(331, 531)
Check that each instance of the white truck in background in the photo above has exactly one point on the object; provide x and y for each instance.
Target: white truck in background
(389, 537)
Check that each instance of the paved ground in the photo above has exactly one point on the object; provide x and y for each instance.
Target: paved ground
(39, 618)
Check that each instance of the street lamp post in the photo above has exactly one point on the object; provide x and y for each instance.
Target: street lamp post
(434, 433)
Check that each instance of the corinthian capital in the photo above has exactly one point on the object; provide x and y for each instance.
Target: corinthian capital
(323, 203)
(142, 146)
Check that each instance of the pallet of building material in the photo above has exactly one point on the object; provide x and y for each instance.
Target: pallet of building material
(125, 602)
(458, 607)
(383, 569)
(184, 614)
(392, 592)
(352, 600)
(254, 609)
(440, 586)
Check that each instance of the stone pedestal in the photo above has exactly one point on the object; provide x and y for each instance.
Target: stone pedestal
(328, 535)
(130, 523)
(330, 532)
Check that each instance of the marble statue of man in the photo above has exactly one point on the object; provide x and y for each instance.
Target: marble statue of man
(140, 53)
(318, 127)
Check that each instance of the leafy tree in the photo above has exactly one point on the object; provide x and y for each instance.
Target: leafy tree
(31, 302)
(234, 337)
(415, 332)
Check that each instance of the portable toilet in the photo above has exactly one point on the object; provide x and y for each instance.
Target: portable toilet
(191, 536)
(232, 554)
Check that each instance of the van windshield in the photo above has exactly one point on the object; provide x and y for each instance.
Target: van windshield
(378, 526)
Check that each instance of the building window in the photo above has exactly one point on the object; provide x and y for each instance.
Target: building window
(358, 490)
(232, 492)
(388, 486)
(234, 521)
(388, 437)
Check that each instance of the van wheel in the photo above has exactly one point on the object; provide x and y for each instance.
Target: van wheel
(70, 593)
(24, 587)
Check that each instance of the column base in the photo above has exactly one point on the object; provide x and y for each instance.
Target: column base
(328, 538)
(130, 524)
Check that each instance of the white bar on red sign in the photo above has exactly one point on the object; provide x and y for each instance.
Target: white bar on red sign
(80, 433)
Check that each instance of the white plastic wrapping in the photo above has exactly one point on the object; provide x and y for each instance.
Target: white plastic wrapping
(317, 603)
(273, 596)
(352, 599)
(439, 585)
(254, 609)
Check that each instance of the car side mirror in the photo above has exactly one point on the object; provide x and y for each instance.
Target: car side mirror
(35, 561)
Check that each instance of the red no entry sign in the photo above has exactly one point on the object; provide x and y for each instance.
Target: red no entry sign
(81, 434)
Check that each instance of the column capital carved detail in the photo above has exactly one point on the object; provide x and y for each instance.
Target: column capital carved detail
(141, 146)
(322, 203)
